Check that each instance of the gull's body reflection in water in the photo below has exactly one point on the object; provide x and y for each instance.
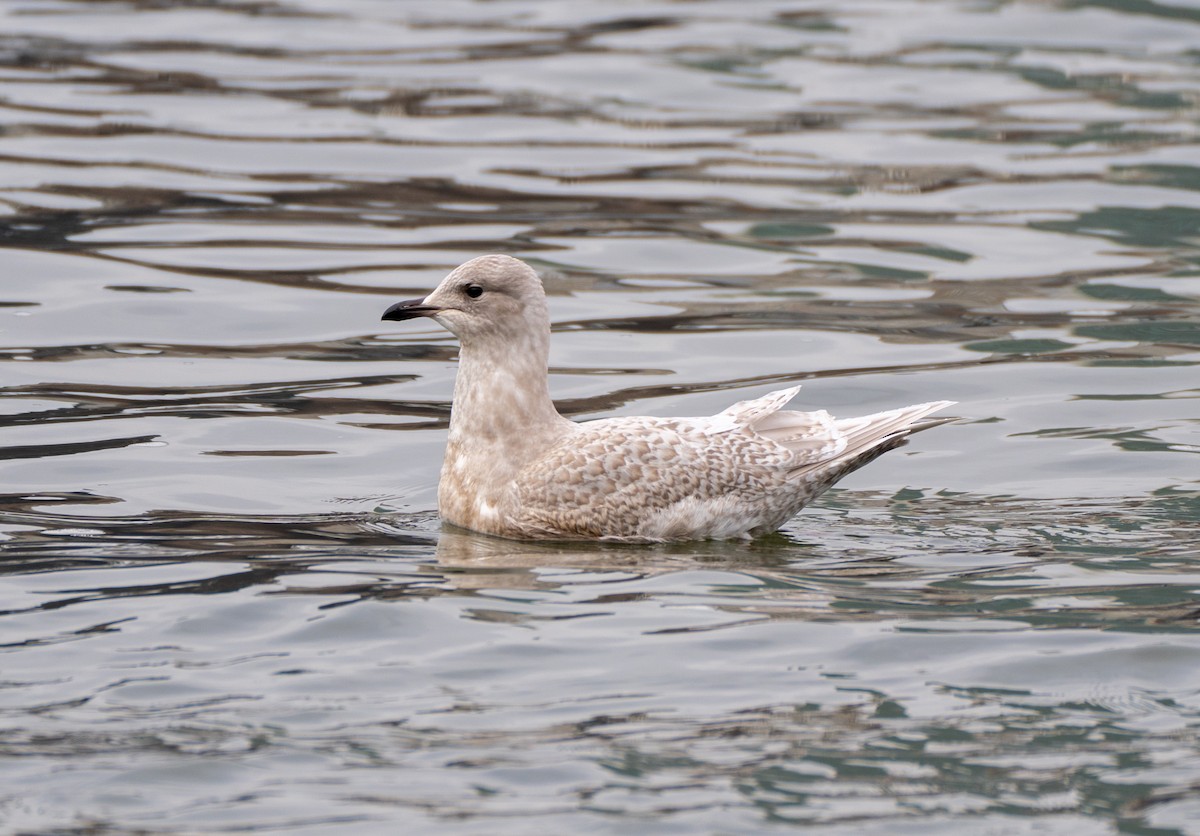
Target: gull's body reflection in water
(460, 550)
(720, 576)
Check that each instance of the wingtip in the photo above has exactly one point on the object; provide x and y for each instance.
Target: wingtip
(788, 391)
(923, 423)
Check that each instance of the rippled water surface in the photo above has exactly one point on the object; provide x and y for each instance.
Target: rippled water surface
(227, 603)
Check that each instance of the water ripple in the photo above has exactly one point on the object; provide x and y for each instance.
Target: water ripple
(228, 604)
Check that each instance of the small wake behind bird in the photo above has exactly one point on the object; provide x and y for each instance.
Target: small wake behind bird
(516, 468)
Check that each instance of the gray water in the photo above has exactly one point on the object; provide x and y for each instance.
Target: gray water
(228, 605)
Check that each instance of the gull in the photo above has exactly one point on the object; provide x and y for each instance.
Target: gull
(516, 468)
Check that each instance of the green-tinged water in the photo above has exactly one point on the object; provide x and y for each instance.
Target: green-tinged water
(227, 604)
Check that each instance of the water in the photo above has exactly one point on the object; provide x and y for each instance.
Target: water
(227, 602)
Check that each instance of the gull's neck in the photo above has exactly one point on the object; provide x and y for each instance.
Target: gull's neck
(502, 419)
(501, 394)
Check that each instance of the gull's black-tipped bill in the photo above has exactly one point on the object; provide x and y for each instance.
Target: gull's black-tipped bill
(409, 309)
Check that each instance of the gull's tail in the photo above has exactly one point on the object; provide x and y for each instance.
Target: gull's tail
(869, 436)
(866, 430)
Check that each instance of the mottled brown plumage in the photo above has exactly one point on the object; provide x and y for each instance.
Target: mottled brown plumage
(516, 468)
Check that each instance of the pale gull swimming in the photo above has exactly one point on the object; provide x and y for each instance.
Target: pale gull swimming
(516, 468)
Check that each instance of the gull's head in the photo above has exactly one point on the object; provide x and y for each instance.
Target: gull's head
(490, 297)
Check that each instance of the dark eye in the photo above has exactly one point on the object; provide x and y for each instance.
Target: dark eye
(474, 291)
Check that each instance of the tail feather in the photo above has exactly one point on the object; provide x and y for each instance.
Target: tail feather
(868, 436)
(866, 429)
(820, 442)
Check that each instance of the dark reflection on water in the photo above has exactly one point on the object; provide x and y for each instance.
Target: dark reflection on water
(227, 603)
